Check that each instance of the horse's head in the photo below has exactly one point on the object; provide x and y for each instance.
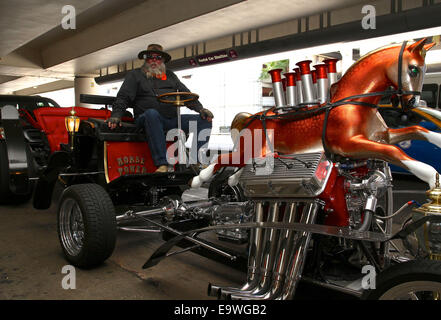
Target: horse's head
(413, 69)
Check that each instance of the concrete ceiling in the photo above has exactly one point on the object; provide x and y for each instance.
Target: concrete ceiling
(36, 50)
(24, 20)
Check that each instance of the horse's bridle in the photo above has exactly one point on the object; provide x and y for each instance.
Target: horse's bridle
(400, 92)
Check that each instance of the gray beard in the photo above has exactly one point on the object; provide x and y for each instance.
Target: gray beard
(153, 72)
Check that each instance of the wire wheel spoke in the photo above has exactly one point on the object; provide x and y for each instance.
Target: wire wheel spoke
(77, 226)
(71, 226)
(414, 290)
(413, 296)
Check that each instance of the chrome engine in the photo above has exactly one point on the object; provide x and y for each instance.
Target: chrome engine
(364, 191)
(294, 176)
(285, 206)
(288, 194)
(229, 214)
(302, 175)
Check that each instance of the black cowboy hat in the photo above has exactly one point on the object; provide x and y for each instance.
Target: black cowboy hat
(154, 48)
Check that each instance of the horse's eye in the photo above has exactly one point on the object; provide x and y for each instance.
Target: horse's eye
(413, 71)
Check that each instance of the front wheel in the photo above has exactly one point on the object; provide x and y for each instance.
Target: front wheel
(86, 225)
(413, 280)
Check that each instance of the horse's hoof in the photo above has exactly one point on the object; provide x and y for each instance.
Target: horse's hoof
(196, 182)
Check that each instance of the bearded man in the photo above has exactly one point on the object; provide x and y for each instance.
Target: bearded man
(140, 90)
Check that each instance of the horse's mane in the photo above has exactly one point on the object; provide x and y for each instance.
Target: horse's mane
(370, 53)
(354, 69)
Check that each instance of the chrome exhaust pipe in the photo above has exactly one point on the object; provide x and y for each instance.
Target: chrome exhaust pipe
(322, 83)
(264, 269)
(286, 242)
(255, 251)
(297, 261)
(307, 84)
(279, 94)
(254, 259)
(288, 266)
(291, 96)
(213, 290)
(271, 242)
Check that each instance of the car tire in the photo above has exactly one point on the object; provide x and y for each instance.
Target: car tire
(416, 279)
(86, 224)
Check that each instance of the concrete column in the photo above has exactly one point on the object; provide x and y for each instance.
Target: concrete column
(84, 85)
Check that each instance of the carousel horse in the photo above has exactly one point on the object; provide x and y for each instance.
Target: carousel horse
(352, 128)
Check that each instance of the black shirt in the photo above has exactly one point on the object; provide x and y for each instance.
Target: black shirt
(140, 92)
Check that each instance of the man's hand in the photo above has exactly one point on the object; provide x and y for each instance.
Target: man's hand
(113, 122)
(206, 114)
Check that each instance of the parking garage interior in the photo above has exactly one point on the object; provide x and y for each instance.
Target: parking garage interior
(61, 49)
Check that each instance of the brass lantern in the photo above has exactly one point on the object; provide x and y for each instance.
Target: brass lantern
(429, 236)
(72, 124)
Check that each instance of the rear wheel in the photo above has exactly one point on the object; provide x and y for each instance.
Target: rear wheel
(86, 225)
(413, 280)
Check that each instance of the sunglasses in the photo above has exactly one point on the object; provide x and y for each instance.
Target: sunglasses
(149, 57)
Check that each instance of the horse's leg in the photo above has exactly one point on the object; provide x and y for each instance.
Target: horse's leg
(223, 160)
(413, 133)
(361, 147)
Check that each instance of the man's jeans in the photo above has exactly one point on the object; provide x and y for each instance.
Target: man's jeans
(156, 127)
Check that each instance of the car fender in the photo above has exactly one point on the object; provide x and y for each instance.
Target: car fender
(58, 161)
(16, 150)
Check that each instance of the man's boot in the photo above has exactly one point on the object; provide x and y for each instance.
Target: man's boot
(162, 169)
